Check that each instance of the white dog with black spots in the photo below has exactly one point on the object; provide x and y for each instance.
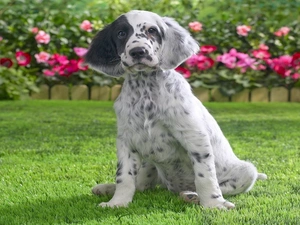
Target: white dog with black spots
(166, 136)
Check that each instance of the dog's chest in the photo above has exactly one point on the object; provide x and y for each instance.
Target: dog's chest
(139, 111)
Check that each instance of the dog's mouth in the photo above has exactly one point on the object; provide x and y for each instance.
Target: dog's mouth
(140, 67)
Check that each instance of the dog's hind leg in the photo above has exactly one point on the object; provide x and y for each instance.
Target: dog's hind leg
(104, 189)
(239, 178)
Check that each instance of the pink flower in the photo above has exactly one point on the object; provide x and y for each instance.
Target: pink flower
(42, 57)
(42, 37)
(184, 71)
(81, 65)
(263, 47)
(86, 25)
(23, 58)
(261, 54)
(233, 52)
(49, 73)
(7, 62)
(205, 64)
(296, 76)
(206, 49)
(34, 30)
(58, 59)
(1, 38)
(260, 67)
(228, 60)
(195, 26)
(194, 60)
(246, 63)
(282, 31)
(243, 30)
(80, 51)
(234, 59)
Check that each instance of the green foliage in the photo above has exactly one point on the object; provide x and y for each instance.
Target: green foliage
(53, 152)
(279, 12)
(15, 83)
(61, 19)
(55, 19)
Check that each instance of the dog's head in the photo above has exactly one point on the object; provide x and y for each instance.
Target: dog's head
(140, 41)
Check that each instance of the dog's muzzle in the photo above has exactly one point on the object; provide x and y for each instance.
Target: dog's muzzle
(139, 53)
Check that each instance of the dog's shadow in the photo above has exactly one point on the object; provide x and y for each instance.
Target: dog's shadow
(84, 208)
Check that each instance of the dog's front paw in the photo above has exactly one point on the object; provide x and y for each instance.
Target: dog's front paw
(219, 204)
(111, 204)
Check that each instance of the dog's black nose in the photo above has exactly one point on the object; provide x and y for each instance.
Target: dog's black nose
(138, 53)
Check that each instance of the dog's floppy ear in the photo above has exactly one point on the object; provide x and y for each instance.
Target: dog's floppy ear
(177, 46)
(102, 54)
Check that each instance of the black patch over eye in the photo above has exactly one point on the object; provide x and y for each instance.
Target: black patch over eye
(152, 30)
(122, 34)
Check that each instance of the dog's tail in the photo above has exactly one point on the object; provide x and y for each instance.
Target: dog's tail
(261, 176)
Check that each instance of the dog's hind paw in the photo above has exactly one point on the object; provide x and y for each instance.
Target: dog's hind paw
(189, 196)
(261, 176)
(104, 189)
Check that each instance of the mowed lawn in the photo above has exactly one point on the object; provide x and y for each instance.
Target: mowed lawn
(53, 152)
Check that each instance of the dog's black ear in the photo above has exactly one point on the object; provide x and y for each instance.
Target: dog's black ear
(177, 46)
(102, 54)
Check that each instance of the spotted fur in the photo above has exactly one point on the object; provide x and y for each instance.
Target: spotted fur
(165, 135)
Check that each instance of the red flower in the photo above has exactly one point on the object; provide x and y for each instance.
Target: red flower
(296, 60)
(81, 65)
(72, 67)
(58, 59)
(23, 58)
(281, 65)
(6, 62)
(280, 70)
(261, 54)
(67, 69)
(206, 49)
(206, 63)
(184, 71)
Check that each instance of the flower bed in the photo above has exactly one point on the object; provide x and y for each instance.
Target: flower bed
(235, 57)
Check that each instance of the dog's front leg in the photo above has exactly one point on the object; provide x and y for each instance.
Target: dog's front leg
(200, 151)
(128, 165)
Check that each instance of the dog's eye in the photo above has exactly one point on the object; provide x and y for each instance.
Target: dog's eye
(122, 34)
(152, 30)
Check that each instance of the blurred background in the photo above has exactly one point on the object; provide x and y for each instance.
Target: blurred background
(246, 44)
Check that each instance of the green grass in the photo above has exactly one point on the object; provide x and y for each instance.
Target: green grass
(53, 152)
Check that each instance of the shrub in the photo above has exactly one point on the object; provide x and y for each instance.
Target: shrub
(244, 55)
(45, 42)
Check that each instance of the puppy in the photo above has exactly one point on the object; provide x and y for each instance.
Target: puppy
(165, 137)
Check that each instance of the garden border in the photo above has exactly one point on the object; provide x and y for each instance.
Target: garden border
(105, 93)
